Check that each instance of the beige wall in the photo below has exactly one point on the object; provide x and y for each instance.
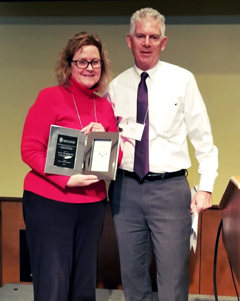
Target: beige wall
(28, 54)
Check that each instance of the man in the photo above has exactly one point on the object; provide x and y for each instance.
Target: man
(154, 206)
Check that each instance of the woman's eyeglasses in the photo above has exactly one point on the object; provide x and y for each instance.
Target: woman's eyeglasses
(83, 64)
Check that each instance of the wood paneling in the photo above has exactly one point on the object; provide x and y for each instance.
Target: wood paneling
(230, 204)
(210, 223)
(12, 221)
(200, 267)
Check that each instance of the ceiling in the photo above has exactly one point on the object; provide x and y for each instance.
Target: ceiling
(119, 8)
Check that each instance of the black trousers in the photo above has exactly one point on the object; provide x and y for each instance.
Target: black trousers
(63, 243)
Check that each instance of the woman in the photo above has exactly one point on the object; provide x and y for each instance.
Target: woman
(64, 214)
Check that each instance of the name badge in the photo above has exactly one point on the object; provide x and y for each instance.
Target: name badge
(133, 130)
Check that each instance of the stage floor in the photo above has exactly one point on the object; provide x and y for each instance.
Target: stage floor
(23, 292)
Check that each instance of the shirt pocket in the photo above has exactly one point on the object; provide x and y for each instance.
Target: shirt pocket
(166, 117)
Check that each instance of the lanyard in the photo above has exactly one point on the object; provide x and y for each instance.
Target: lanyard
(79, 118)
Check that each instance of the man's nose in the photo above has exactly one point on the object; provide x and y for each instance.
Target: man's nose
(147, 42)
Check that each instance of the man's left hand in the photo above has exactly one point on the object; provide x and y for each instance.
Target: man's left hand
(201, 201)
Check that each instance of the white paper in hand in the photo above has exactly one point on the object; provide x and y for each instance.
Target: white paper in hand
(194, 230)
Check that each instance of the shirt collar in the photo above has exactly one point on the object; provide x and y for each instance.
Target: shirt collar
(151, 72)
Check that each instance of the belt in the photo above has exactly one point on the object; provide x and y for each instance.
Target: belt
(151, 176)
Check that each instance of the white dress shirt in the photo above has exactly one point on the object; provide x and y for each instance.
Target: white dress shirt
(176, 109)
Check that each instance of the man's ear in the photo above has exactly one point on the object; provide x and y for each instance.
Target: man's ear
(129, 40)
(164, 43)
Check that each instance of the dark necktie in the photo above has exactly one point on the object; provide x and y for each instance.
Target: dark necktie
(141, 160)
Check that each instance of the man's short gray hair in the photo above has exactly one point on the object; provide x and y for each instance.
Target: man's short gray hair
(147, 13)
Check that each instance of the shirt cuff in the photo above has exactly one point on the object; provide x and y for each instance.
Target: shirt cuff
(206, 183)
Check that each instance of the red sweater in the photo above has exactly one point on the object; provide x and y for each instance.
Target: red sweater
(55, 106)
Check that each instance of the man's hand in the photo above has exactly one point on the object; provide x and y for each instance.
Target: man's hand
(201, 201)
(81, 180)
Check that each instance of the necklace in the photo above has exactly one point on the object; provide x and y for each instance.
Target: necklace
(79, 118)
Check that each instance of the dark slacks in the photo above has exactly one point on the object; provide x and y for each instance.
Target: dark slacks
(157, 211)
(63, 245)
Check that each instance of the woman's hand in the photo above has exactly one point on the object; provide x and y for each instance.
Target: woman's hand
(81, 180)
(93, 127)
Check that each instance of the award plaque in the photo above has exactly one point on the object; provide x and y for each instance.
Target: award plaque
(65, 151)
(72, 152)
